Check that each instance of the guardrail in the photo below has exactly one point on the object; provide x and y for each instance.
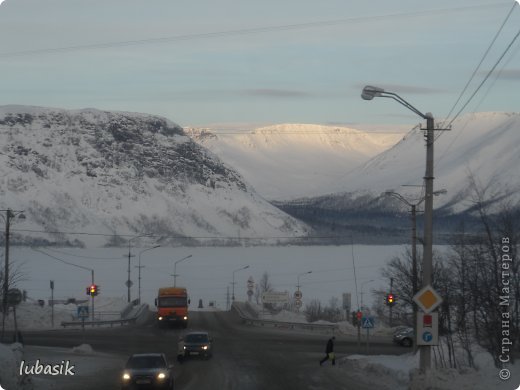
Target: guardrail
(120, 322)
(326, 328)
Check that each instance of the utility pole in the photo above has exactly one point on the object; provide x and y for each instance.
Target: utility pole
(414, 273)
(128, 281)
(370, 92)
(227, 298)
(8, 215)
(52, 303)
(425, 350)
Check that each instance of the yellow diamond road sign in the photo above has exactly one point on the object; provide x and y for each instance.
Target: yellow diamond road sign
(427, 299)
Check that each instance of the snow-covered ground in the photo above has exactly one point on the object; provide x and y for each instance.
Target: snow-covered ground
(332, 276)
(84, 363)
(30, 315)
(396, 372)
(401, 371)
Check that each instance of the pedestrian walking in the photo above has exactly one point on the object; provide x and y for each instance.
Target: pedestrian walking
(329, 351)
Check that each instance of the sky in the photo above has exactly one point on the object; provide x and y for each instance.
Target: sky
(236, 63)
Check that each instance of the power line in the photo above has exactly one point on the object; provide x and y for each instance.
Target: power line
(486, 77)
(248, 31)
(479, 64)
(479, 86)
(84, 257)
(61, 260)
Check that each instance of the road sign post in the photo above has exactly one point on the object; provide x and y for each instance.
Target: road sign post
(83, 313)
(367, 323)
(359, 316)
(52, 303)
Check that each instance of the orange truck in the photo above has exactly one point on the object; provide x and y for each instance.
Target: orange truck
(172, 306)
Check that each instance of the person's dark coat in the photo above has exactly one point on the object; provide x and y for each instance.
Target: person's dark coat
(330, 346)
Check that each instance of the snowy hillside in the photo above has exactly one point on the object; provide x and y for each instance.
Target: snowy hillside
(295, 160)
(123, 173)
(482, 145)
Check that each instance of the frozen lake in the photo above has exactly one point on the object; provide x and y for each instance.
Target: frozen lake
(207, 274)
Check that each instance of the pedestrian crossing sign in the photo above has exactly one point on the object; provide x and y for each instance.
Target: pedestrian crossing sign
(82, 311)
(367, 322)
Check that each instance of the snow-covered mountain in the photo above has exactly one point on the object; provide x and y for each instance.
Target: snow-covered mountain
(123, 173)
(294, 160)
(480, 147)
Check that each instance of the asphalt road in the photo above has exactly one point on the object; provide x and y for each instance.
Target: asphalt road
(245, 357)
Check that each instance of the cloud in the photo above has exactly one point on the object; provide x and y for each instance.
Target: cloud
(276, 93)
(509, 74)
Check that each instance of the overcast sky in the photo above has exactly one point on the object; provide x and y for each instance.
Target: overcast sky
(241, 61)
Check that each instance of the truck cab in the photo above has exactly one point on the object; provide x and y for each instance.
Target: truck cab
(172, 306)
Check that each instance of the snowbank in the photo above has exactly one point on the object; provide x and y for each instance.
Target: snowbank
(30, 315)
(402, 372)
(10, 359)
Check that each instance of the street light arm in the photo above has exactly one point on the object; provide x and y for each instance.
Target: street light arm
(399, 99)
(184, 258)
(398, 196)
(370, 92)
(148, 249)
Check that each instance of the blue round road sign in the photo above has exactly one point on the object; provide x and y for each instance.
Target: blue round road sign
(427, 336)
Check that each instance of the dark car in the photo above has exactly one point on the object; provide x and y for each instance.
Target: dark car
(148, 371)
(404, 337)
(198, 344)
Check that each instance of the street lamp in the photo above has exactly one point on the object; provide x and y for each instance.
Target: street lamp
(141, 266)
(9, 214)
(175, 269)
(303, 273)
(413, 207)
(129, 282)
(299, 295)
(368, 281)
(370, 92)
(233, 283)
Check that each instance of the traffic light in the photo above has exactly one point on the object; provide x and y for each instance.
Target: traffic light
(93, 290)
(390, 299)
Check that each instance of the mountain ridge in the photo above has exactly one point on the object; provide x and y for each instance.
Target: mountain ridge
(125, 172)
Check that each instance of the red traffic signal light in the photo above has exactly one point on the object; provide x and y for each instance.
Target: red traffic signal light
(390, 299)
(93, 290)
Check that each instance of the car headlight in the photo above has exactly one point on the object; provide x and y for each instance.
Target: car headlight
(204, 347)
(160, 318)
(185, 318)
(184, 347)
(126, 376)
(161, 375)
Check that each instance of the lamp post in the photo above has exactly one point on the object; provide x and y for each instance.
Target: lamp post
(233, 283)
(370, 92)
(303, 273)
(298, 294)
(9, 214)
(413, 207)
(361, 292)
(128, 281)
(175, 269)
(141, 266)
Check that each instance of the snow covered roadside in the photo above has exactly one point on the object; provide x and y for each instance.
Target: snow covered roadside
(10, 359)
(30, 315)
(90, 368)
(402, 372)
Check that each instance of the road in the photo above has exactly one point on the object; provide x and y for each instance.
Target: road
(245, 357)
